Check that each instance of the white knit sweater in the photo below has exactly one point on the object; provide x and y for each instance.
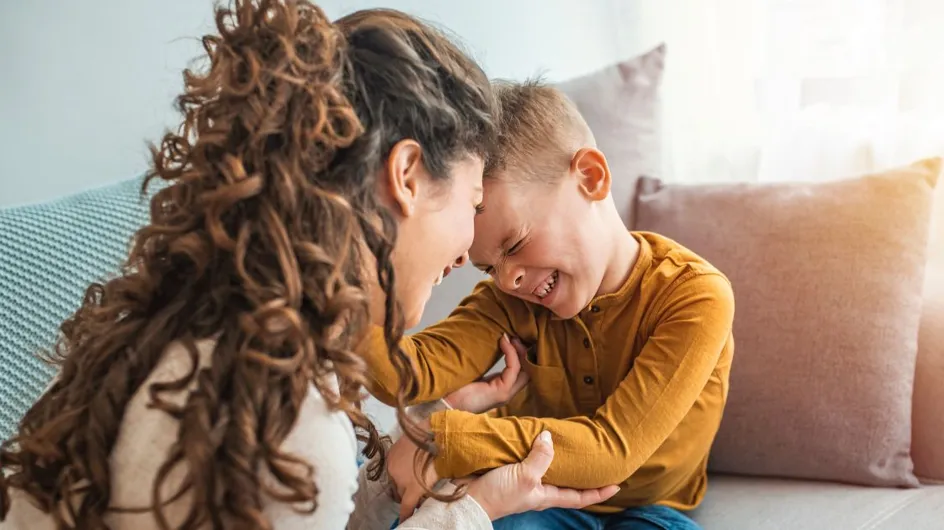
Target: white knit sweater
(346, 499)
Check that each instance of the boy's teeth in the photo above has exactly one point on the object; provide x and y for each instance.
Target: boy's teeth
(548, 286)
(439, 279)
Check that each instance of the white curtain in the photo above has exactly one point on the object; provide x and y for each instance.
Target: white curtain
(797, 89)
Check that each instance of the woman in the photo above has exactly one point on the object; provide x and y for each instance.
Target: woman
(325, 176)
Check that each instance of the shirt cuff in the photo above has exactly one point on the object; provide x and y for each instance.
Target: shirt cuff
(438, 424)
(419, 413)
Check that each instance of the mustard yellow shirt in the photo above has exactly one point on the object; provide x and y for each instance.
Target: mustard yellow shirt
(632, 389)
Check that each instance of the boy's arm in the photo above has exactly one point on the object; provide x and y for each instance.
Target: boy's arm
(451, 353)
(607, 448)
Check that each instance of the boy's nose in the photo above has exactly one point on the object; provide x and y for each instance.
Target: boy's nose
(513, 278)
(461, 260)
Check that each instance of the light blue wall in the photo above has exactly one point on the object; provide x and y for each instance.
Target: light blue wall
(86, 85)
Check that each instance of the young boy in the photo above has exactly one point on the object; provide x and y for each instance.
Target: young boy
(629, 333)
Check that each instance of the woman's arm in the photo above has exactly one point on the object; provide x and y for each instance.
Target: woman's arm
(325, 440)
(463, 514)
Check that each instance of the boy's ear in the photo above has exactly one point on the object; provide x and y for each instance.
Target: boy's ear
(592, 172)
(401, 177)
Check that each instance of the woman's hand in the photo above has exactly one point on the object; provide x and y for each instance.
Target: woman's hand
(517, 488)
(497, 389)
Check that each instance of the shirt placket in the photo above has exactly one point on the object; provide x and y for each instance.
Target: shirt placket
(587, 376)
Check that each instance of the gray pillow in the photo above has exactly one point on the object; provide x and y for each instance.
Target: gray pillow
(621, 104)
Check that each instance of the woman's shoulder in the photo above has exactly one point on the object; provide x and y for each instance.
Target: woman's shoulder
(324, 439)
(321, 438)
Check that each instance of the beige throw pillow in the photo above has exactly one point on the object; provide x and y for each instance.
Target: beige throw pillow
(927, 444)
(621, 105)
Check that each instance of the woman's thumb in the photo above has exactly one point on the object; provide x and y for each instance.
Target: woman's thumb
(542, 453)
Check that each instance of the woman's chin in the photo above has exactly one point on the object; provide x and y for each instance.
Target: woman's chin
(413, 315)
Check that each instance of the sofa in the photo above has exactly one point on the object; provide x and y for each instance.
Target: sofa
(818, 434)
(50, 252)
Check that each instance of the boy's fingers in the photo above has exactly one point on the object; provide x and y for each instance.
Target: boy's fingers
(516, 342)
(463, 481)
(523, 361)
(408, 505)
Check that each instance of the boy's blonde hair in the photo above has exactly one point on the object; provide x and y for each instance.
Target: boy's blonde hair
(539, 130)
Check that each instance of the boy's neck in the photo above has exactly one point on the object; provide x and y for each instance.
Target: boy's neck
(622, 259)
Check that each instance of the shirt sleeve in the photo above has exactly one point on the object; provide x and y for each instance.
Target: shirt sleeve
(451, 353)
(667, 378)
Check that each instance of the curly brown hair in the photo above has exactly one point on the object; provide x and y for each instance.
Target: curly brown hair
(258, 240)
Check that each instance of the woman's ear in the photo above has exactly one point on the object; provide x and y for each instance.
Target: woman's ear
(592, 172)
(402, 176)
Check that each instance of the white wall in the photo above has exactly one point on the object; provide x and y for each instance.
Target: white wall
(86, 85)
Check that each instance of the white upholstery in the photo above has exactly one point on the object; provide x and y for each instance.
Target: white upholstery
(743, 503)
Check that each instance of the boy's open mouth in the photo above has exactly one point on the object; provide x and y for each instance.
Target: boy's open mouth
(547, 286)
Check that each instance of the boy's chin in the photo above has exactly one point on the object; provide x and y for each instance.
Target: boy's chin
(565, 316)
(565, 311)
(570, 308)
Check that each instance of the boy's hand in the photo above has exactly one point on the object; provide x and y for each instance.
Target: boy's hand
(400, 467)
(497, 389)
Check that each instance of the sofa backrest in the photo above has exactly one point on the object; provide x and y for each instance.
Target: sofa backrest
(49, 254)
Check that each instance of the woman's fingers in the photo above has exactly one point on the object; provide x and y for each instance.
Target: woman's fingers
(537, 462)
(512, 363)
(520, 383)
(555, 497)
(513, 379)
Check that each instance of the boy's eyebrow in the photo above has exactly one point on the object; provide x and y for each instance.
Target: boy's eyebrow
(502, 247)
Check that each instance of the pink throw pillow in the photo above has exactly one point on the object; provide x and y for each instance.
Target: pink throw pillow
(828, 281)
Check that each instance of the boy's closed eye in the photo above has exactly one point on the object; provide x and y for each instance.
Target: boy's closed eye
(514, 249)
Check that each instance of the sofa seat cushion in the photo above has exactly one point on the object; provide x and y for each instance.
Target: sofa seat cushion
(748, 503)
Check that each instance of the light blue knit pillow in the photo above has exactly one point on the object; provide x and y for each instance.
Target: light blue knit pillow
(49, 254)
